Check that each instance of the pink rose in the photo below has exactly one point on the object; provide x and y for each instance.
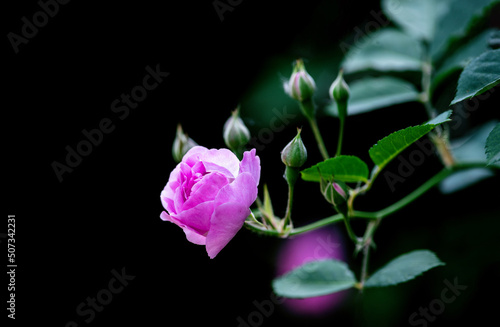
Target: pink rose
(209, 194)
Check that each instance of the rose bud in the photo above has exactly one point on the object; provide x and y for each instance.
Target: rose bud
(182, 144)
(301, 85)
(339, 91)
(236, 134)
(209, 194)
(335, 193)
(295, 153)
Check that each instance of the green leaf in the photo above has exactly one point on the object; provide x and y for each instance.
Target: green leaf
(462, 56)
(469, 149)
(390, 146)
(404, 268)
(372, 93)
(387, 49)
(480, 75)
(462, 20)
(492, 147)
(314, 279)
(418, 17)
(341, 168)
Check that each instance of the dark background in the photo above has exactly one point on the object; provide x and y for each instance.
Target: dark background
(104, 215)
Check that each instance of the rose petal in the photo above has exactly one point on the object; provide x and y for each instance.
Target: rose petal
(168, 202)
(198, 218)
(191, 235)
(251, 164)
(211, 167)
(192, 156)
(205, 190)
(223, 158)
(227, 220)
(242, 190)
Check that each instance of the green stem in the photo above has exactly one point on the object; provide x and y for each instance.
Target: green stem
(291, 174)
(319, 139)
(439, 136)
(350, 232)
(308, 110)
(364, 265)
(288, 216)
(341, 136)
(380, 214)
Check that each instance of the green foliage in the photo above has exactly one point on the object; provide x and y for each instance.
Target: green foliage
(385, 50)
(389, 147)
(371, 93)
(341, 168)
(480, 75)
(461, 20)
(492, 146)
(404, 268)
(417, 18)
(462, 56)
(469, 149)
(314, 279)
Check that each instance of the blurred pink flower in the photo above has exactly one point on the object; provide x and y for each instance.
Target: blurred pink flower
(209, 194)
(325, 243)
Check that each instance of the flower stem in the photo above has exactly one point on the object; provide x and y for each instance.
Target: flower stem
(307, 108)
(380, 214)
(341, 136)
(440, 136)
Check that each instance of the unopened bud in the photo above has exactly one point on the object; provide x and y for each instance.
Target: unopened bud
(295, 153)
(236, 134)
(182, 144)
(339, 91)
(335, 193)
(301, 85)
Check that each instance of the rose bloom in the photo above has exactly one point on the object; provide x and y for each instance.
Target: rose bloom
(209, 194)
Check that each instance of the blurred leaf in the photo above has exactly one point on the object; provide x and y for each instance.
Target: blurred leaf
(341, 168)
(372, 93)
(462, 56)
(390, 146)
(460, 20)
(480, 75)
(418, 17)
(404, 268)
(314, 279)
(469, 149)
(387, 49)
(494, 41)
(492, 147)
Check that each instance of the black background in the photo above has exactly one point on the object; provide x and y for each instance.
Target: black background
(104, 215)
